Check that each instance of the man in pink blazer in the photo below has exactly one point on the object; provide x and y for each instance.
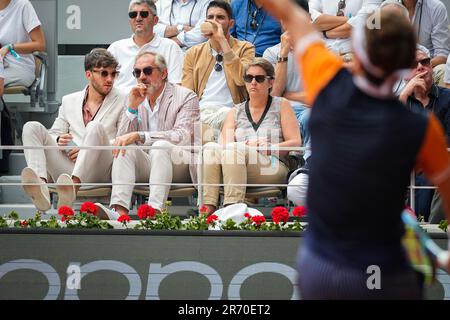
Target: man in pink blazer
(160, 114)
(89, 118)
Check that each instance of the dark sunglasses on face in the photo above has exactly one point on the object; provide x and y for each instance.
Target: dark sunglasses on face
(424, 62)
(105, 73)
(341, 7)
(218, 66)
(147, 71)
(133, 14)
(259, 78)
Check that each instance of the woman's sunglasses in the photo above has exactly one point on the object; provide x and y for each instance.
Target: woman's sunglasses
(259, 78)
(147, 71)
(134, 14)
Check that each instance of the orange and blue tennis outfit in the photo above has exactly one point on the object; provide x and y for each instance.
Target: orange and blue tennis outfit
(363, 151)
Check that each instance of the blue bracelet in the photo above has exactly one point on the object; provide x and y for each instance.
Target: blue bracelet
(133, 111)
(13, 52)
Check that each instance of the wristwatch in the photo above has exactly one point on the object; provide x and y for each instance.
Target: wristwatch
(180, 28)
(141, 136)
(282, 59)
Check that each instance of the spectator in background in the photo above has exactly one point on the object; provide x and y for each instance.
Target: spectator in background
(142, 19)
(20, 35)
(447, 73)
(336, 19)
(159, 114)
(215, 69)
(430, 19)
(421, 94)
(180, 21)
(255, 25)
(90, 118)
(287, 81)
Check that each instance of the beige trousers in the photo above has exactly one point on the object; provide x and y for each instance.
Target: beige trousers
(90, 166)
(159, 166)
(238, 165)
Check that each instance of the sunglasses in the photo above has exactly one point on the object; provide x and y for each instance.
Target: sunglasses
(341, 7)
(147, 71)
(424, 62)
(134, 14)
(105, 74)
(218, 67)
(259, 78)
(253, 23)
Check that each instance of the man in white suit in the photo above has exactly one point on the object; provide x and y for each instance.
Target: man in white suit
(89, 118)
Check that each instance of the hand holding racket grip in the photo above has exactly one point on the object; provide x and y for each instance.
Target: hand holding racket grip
(442, 257)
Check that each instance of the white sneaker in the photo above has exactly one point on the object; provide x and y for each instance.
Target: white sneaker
(39, 194)
(105, 213)
(66, 190)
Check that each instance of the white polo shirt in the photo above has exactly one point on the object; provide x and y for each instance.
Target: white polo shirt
(356, 11)
(125, 52)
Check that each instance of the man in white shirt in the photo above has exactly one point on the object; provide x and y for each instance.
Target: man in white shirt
(336, 18)
(430, 19)
(143, 18)
(214, 70)
(180, 21)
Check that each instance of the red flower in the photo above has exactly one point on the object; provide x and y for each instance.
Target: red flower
(299, 211)
(124, 218)
(280, 214)
(258, 220)
(145, 211)
(24, 223)
(65, 211)
(89, 207)
(247, 215)
(211, 218)
(203, 209)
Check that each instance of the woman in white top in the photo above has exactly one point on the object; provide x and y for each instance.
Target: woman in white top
(20, 35)
(262, 121)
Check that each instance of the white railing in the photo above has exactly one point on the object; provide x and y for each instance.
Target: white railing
(199, 183)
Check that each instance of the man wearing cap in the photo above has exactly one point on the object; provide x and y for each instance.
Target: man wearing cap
(215, 69)
(142, 18)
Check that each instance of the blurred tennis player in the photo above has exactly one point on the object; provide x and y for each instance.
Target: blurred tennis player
(365, 144)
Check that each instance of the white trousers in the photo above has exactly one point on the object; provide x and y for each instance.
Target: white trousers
(158, 168)
(298, 188)
(90, 166)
